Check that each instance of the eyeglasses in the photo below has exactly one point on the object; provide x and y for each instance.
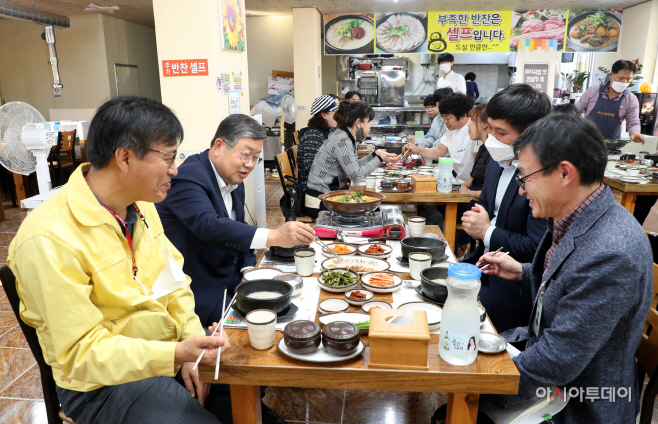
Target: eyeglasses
(521, 180)
(171, 160)
(246, 158)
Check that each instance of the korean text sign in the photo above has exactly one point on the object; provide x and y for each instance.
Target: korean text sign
(184, 68)
(458, 32)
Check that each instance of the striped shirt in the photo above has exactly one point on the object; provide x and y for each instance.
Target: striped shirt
(337, 162)
(560, 228)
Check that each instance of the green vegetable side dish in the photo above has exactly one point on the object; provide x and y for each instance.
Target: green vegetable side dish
(597, 19)
(345, 30)
(339, 279)
(398, 30)
(363, 325)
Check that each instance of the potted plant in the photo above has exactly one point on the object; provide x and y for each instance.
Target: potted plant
(576, 80)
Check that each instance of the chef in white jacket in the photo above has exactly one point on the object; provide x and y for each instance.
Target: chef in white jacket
(450, 79)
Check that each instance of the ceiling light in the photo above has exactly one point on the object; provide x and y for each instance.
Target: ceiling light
(100, 9)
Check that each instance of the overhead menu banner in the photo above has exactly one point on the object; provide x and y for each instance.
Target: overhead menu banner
(576, 30)
(468, 32)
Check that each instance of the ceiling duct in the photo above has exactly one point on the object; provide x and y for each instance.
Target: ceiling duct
(41, 17)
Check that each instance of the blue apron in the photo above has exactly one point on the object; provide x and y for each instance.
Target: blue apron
(606, 114)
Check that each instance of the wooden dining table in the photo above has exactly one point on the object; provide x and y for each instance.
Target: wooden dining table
(630, 191)
(246, 369)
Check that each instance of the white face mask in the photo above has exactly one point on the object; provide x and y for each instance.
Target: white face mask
(171, 278)
(445, 68)
(498, 150)
(619, 87)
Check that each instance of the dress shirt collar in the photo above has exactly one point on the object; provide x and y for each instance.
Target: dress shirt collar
(223, 187)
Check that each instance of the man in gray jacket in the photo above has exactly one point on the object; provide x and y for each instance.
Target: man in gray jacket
(591, 279)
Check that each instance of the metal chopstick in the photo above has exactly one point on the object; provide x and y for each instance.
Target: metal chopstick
(479, 264)
(196, 364)
(221, 332)
(504, 254)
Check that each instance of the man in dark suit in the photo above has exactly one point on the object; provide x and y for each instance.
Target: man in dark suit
(503, 217)
(592, 279)
(203, 215)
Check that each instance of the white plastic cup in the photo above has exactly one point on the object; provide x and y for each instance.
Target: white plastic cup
(418, 261)
(261, 325)
(371, 182)
(633, 172)
(416, 226)
(305, 261)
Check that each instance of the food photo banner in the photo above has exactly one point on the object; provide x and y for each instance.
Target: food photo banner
(470, 32)
(576, 30)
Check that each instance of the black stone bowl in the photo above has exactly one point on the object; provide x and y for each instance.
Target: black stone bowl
(438, 292)
(246, 304)
(436, 248)
(286, 252)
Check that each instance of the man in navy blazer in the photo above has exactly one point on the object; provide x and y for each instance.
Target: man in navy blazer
(591, 279)
(204, 217)
(503, 216)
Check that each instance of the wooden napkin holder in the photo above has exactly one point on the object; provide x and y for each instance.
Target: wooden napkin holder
(398, 346)
(423, 183)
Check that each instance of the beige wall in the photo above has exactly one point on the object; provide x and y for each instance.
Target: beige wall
(308, 60)
(638, 40)
(132, 44)
(86, 51)
(191, 30)
(25, 74)
(270, 48)
(329, 83)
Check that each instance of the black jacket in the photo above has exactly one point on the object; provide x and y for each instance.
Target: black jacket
(518, 233)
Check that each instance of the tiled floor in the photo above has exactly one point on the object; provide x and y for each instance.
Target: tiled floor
(21, 397)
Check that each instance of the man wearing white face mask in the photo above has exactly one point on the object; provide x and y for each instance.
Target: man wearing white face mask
(103, 286)
(503, 217)
(450, 79)
(609, 104)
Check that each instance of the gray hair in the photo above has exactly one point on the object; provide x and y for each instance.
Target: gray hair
(237, 126)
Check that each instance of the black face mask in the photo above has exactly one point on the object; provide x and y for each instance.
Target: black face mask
(360, 136)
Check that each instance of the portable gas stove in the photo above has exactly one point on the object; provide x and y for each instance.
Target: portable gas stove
(386, 223)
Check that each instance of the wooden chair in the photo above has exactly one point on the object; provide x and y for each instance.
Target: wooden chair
(53, 411)
(296, 135)
(63, 155)
(288, 178)
(647, 355)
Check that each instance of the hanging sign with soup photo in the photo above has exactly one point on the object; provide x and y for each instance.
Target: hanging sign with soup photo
(593, 30)
(349, 34)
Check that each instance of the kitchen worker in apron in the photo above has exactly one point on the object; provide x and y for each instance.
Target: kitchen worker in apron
(609, 104)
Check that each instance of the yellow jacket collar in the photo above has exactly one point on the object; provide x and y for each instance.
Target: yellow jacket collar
(84, 205)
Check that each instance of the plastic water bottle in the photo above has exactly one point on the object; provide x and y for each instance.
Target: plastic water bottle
(444, 175)
(460, 321)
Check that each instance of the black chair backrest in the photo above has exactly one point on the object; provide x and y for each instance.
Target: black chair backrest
(47, 382)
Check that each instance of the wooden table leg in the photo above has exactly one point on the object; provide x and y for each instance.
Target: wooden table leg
(450, 224)
(245, 403)
(462, 408)
(628, 201)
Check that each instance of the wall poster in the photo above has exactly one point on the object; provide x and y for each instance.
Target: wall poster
(401, 32)
(349, 34)
(593, 30)
(468, 32)
(232, 23)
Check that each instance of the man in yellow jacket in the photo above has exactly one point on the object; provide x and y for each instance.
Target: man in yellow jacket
(104, 287)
